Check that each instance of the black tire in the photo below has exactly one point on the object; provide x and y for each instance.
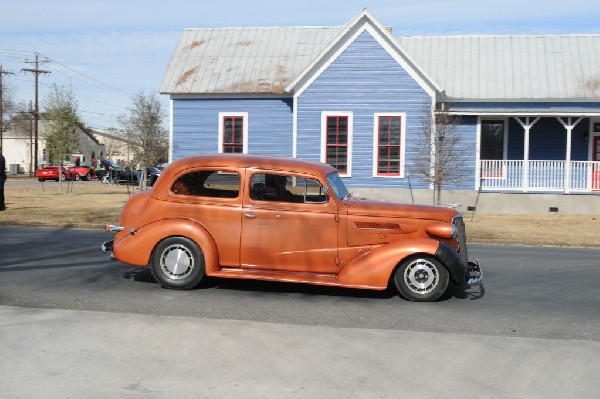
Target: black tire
(42, 180)
(86, 177)
(177, 263)
(421, 279)
(76, 177)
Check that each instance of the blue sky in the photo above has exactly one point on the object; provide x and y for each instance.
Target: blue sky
(108, 50)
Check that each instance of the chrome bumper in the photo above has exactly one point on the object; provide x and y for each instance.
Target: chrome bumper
(474, 273)
(109, 228)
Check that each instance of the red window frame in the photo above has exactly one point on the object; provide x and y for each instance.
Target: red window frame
(389, 146)
(333, 149)
(236, 144)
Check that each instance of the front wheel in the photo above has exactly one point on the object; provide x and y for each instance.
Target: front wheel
(76, 176)
(421, 279)
(177, 263)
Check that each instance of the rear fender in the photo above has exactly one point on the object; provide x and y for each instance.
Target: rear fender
(136, 249)
(374, 269)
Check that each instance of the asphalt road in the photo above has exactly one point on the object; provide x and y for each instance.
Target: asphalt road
(531, 330)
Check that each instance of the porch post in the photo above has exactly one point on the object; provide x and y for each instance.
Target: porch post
(569, 125)
(527, 125)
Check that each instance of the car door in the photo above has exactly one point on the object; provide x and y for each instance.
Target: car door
(288, 224)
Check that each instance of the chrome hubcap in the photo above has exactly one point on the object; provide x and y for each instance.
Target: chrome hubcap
(177, 261)
(421, 276)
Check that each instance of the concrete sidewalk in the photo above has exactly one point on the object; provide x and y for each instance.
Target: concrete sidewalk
(79, 354)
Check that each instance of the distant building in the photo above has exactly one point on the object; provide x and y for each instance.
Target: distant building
(18, 148)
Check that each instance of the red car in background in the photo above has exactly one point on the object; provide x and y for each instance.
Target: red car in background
(53, 173)
(81, 172)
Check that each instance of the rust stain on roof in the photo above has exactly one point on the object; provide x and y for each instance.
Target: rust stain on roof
(594, 86)
(253, 86)
(186, 75)
(244, 43)
(196, 44)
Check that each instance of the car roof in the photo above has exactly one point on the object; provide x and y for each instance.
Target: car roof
(251, 161)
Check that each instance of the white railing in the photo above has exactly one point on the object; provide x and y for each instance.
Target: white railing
(540, 176)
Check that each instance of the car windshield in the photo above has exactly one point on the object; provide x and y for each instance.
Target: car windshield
(337, 185)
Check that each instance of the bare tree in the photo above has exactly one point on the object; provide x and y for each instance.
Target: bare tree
(144, 126)
(60, 112)
(441, 158)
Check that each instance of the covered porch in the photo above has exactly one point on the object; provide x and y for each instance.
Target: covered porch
(539, 153)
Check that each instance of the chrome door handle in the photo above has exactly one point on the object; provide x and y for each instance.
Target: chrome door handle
(250, 216)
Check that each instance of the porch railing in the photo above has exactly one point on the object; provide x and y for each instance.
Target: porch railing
(540, 176)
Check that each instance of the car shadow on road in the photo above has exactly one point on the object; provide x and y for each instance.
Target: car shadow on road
(139, 274)
(143, 275)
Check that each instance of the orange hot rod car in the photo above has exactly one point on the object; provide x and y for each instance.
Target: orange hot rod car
(279, 219)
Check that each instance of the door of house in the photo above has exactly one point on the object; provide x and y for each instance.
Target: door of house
(596, 167)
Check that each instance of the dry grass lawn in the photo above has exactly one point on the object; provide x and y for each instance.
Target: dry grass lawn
(91, 205)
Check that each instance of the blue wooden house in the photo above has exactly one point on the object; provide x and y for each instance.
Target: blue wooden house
(354, 96)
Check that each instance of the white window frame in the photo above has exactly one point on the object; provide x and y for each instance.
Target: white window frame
(402, 116)
(324, 115)
(222, 116)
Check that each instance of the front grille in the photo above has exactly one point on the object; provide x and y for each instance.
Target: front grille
(461, 238)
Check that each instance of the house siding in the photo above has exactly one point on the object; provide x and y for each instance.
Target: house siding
(196, 125)
(365, 79)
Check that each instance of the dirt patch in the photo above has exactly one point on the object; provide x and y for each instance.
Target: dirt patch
(91, 205)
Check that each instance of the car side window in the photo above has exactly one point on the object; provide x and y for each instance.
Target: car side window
(208, 183)
(286, 188)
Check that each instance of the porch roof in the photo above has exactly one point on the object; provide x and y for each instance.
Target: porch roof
(499, 111)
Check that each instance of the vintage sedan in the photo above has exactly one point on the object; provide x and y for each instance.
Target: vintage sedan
(53, 173)
(280, 219)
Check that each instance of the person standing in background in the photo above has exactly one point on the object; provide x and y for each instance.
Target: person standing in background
(2, 180)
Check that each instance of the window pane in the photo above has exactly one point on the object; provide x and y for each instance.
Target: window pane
(395, 131)
(210, 183)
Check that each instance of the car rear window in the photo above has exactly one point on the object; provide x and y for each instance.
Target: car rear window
(208, 183)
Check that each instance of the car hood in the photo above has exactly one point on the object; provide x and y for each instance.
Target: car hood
(368, 207)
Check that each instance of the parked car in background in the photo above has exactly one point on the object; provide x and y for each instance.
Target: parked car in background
(81, 172)
(128, 175)
(53, 173)
(279, 219)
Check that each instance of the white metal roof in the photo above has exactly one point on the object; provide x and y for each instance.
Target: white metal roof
(243, 60)
(511, 67)
(266, 60)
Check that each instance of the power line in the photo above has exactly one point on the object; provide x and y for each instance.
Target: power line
(103, 85)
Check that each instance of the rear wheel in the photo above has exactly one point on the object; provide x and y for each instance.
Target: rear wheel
(421, 279)
(178, 263)
(87, 176)
(76, 177)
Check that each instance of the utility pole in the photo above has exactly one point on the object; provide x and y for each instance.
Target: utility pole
(2, 73)
(36, 112)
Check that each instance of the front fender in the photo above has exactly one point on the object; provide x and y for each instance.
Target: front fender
(373, 269)
(136, 249)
